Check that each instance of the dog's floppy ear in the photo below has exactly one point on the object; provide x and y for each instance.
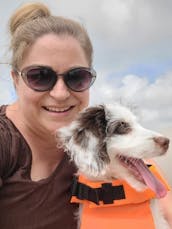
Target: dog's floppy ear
(86, 142)
(93, 120)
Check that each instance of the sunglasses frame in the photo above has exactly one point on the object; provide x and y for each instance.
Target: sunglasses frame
(23, 74)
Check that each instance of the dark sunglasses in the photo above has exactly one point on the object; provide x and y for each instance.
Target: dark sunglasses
(43, 78)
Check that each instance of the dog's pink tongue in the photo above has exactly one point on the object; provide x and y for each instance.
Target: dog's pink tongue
(151, 181)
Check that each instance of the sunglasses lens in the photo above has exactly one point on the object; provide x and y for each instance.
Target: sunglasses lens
(80, 79)
(40, 78)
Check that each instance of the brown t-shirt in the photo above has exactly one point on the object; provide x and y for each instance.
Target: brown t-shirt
(25, 204)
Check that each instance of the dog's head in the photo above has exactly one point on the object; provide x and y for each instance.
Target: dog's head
(107, 141)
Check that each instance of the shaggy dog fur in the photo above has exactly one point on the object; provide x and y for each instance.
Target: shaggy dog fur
(106, 142)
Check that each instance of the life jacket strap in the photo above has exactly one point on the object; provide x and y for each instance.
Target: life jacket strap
(106, 193)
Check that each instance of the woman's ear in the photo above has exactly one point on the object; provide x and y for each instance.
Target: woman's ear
(15, 78)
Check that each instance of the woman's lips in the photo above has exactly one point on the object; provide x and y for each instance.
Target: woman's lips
(58, 109)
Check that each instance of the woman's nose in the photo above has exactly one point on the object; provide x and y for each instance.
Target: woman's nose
(60, 90)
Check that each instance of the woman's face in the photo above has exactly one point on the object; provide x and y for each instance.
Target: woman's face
(50, 110)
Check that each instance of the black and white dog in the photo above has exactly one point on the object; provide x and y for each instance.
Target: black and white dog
(107, 142)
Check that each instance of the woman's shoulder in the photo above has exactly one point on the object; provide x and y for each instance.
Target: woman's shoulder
(12, 145)
(9, 133)
(2, 109)
(3, 113)
(4, 122)
(6, 125)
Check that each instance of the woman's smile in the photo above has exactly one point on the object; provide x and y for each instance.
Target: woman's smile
(54, 110)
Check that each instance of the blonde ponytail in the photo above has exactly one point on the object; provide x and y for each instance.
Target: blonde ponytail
(27, 12)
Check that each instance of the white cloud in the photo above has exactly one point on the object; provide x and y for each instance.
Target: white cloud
(142, 19)
(153, 100)
(118, 13)
(124, 31)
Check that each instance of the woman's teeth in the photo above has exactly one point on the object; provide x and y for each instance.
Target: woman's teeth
(56, 109)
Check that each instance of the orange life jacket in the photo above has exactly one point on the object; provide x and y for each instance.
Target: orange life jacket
(128, 208)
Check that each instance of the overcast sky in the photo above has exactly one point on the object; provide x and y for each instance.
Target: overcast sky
(132, 52)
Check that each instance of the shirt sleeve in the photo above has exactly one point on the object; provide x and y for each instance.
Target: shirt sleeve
(4, 151)
(9, 147)
(14, 151)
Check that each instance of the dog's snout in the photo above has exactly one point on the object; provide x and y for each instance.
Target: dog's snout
(162, 141)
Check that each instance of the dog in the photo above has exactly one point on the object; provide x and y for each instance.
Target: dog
(107, 142)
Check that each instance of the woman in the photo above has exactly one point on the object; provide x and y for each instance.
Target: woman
(52, 72)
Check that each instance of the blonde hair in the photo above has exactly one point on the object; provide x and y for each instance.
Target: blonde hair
(34, 20)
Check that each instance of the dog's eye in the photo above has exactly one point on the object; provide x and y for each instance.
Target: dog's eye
(122, 128)
(118, 127)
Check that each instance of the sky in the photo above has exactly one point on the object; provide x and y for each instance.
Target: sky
(132, 53)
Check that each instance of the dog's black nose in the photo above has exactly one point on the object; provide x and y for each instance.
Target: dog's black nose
(162, 141)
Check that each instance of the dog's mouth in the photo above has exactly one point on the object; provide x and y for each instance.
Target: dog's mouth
(142, 173)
